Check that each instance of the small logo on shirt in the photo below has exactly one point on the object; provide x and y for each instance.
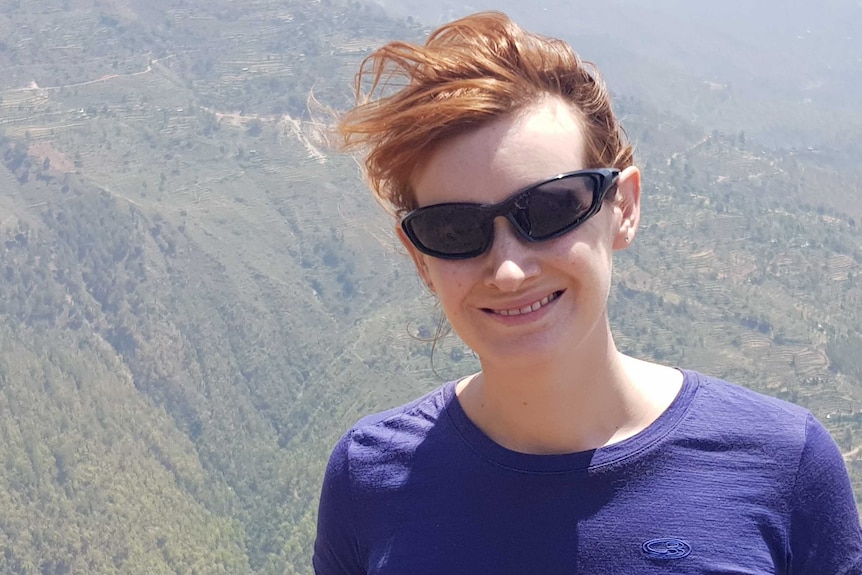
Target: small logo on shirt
(666, 548)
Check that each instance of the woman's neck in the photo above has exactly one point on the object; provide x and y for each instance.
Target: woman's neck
(574, 404)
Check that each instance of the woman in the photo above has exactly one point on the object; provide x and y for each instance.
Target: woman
(514, 185)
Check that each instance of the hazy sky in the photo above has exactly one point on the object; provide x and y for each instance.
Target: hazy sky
(777, 53)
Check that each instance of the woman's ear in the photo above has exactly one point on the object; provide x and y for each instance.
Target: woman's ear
(419, 259)
(628, 202)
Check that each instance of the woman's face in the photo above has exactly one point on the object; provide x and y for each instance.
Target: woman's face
(521, 303)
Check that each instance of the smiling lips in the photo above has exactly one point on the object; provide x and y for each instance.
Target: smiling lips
(528, 308)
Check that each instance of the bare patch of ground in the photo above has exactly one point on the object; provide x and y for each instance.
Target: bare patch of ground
(44, 150)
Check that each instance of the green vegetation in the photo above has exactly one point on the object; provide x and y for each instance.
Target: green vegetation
(197, 299)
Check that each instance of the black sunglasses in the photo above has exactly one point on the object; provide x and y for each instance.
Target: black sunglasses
(540, 212)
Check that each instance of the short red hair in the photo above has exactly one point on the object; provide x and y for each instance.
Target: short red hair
(469, 73)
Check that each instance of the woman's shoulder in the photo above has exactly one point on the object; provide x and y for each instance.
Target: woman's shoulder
(430, 404)
(725, 398)
(734, 414)
(390, 437)
(728, 427)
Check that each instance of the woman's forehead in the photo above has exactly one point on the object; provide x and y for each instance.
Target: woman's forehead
(503, 156)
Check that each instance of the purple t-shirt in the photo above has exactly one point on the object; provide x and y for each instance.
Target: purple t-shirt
(725, 481)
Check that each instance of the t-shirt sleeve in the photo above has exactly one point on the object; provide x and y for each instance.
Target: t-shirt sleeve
(336, 548)
(825, 536)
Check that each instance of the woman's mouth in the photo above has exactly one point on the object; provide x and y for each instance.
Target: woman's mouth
(535, 306)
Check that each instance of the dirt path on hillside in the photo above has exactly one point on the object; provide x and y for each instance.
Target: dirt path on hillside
(34, 86)
(852, 453)
(295, 126)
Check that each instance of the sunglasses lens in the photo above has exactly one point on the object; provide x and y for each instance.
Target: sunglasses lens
(556, 206)
(454, 231)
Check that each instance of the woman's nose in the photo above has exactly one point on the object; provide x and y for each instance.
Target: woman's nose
(511, 260)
